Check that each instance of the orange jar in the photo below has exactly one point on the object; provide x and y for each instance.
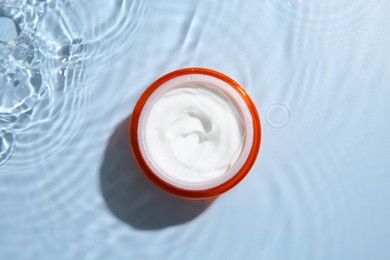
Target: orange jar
(235, 95)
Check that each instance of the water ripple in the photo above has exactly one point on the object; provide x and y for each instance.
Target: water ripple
(71, 70)
(30, 93)
(6, 146)
(323, 21)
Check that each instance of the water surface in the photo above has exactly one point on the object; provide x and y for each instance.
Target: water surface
(71, 72)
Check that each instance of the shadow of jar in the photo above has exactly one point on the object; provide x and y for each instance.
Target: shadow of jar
(132, 198)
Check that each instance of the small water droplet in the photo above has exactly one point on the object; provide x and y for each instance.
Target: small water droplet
(278, 116)
(63, 72)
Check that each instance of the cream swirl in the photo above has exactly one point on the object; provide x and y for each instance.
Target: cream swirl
(194, 133)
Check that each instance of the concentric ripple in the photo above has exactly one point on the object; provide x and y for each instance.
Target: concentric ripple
(45, 68)
(20, 76)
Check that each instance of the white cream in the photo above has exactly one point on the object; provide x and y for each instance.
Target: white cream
(194, 133)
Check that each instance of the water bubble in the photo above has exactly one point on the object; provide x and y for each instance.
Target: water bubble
(278, 116)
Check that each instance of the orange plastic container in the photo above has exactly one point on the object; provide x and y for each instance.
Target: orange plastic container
(155, 177)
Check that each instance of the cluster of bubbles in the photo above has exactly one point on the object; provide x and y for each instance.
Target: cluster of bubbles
(24, 81)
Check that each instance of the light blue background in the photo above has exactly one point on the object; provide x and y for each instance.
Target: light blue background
(320, 188)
